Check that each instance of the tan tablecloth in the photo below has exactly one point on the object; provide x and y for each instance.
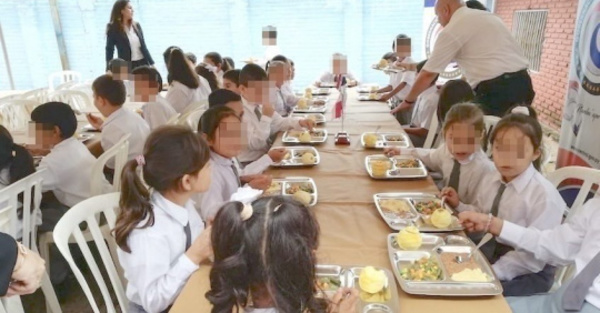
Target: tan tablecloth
(352, 232)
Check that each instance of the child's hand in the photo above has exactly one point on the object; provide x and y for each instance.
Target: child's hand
(478, 222)
(95, 121)
(385, 97)
(451, 196)
(277, 154)
(267, 109)
(261, 182)
(344, 301)
(201, 248)
(402, 107)
(391, 151)
(306, 123)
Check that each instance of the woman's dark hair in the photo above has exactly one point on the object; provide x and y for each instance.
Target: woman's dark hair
(18, 160)
(278, 57)
(167, 54)
(233, 76)
(222, 97)
(210, 120)
(149, 74)
(57, 114)
(528, 125)
(180, 70)
(230, 63)
(216, 58)
(116, 19)
(453, 92)
(252, 73)
(272, 252)
(474, 4)
(110, 89)
(170, 153)
(209, 75)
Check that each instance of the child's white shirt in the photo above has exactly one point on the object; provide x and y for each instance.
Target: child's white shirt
(407, 77)
(290, 100)
(158, 112)
(529, 200)
(425, 106)
(68, 172)
(180, 95)
(157, 268)
(259, 131)
(472, 171)
(329, 77)
(120, 123)
(204, 89)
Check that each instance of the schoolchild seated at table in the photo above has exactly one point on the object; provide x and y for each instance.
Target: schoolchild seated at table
(148, 85)
(231, 81)
(422, 113)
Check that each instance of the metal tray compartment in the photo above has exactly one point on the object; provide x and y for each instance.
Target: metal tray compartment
(392, 305)
(445, 286)
(311, 108)
(283, 184)
(397, 222)
(320, 91)
(385, 140)
(395, 171)
(325, 275)
(291, 137)
(293, 157)
(369, 97)
(318, 118)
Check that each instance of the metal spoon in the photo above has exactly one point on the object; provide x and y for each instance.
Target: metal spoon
(483, 241)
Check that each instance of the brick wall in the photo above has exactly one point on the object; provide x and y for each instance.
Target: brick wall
(551, 81)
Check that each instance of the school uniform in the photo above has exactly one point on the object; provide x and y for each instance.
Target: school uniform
(225, 181)
(422, 113)
(204, 88)
(181, 96)
(158, 112)
(157, 268)
(396, 79)
(259, 129)
(575, 242)
(470, 172)
(219, 76)
(290, 100)
(120, 123)
(329, 77)
(69, 181)
(529, 200)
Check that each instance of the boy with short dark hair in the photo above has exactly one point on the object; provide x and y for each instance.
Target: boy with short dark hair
(148, 84)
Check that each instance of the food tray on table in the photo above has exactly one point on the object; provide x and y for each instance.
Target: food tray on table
(384, 140)
(327, 85)
(380, 166)
(400, 210)
(332, 277)
(318, 118)
(310, 107)
(83, 137)
(299, 156)
(430, 270)
(367, 88)
(288, 186)
(317, 136)
(320, 91)
(369, 97)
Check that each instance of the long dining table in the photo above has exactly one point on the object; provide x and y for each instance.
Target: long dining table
(352, 231)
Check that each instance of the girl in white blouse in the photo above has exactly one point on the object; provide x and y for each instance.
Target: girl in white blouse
(183, 82)
(460, 159)
(161, 238)
(519, 193)
(265, 260)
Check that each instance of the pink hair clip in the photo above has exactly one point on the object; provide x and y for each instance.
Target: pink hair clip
(141, 161)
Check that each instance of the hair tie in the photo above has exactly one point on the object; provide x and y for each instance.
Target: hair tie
(247, 212)
(210, 67)
(520, 110)
(141, 161)
(277, 208)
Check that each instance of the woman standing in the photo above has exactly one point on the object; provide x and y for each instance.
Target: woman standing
(126, 34)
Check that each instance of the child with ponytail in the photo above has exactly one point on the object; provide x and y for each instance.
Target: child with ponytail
(161, 237)
(265, 260)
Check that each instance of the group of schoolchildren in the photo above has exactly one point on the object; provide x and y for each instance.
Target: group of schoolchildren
(263, 250)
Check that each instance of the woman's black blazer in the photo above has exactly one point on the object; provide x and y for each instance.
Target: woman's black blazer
(115, 37)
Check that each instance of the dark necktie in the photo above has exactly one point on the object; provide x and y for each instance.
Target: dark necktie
(455, 176)
(496, 202)
(188, 236)
(491, 249)
(236, 173)
(577, 289)
(257, 112)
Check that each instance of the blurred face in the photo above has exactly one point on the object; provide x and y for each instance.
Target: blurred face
(229, 85)
(339, 65)
(292, 72)
(127, 12)
(238, 107)
(46, 136)
(144, 89)
(403, 48)
(278, 75)
(442, 10)
(228, 138)
(462, 140)
(513, 152)
(269, 38)
(121, 73)
(256, 92)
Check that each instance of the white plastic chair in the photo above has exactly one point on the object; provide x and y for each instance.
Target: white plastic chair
(38, 95)
(11, 305)
(589, 177)
(66, 86)
(490, 122)
(30, 188)
(88, 211)
(16, 113)
(173, 120)
(78, 100)
(63, 77)
(191, 118)
(432, 136)
(83, 87)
